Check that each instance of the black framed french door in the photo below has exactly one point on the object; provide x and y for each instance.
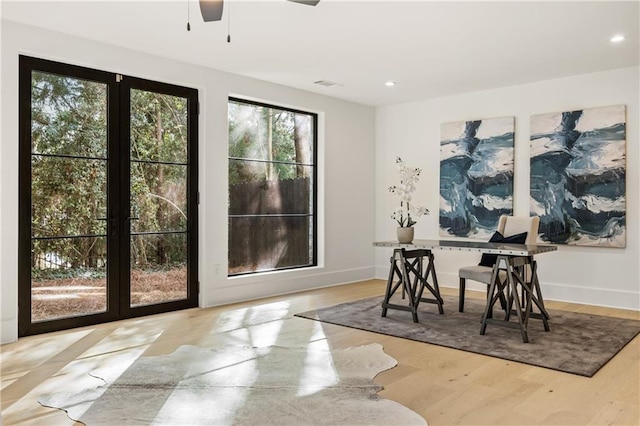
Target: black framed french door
(108, 196)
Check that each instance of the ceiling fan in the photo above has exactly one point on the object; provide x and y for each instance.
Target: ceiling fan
(212, 9)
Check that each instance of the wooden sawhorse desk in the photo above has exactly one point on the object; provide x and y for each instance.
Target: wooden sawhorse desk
(408, 268)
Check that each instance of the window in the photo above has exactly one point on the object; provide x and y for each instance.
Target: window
(272, 188)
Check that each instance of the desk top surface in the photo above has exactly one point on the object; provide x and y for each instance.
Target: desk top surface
(495, 248)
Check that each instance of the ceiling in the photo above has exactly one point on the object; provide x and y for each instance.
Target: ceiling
(431, 49)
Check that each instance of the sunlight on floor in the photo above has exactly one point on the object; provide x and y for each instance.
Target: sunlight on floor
(262, 327)
(30, 352)
(239, 369)
(318, 371)
(123, 338)
(108, 355)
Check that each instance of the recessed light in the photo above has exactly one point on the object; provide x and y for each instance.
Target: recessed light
(617, 38)
(390, 83)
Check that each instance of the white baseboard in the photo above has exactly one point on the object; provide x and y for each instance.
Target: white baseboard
(552, 291)
(8, 331)
(253, 287)
(592, 296)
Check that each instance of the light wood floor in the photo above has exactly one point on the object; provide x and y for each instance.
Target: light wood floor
(445, 386)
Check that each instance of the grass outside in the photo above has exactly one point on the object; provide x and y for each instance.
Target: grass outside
(67, 297)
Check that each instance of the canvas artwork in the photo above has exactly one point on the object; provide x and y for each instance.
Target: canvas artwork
(578, 166)
(476, 176)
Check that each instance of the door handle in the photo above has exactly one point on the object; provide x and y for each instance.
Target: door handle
(127, 224)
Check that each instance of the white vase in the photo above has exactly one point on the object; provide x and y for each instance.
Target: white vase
(405, 234)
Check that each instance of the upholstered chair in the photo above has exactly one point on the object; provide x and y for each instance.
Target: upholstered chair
(508, 226)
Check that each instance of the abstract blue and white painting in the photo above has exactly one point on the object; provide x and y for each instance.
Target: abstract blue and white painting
(578, 176)
(476, 176)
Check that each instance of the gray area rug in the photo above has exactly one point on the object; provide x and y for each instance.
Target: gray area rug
(240, 385)
(577, 343)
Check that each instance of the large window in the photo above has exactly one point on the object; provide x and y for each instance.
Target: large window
(272, 188)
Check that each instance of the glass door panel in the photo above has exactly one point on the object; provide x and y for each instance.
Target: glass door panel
(108, 197)
(159, 268)
(158, 197)
(158, 214)
(68, 197)
(66, 283)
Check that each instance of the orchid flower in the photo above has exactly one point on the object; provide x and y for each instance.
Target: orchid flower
(406, 213)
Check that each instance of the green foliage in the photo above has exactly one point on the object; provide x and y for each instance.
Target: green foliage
(261, 133)
(158, 127)
(69, 175)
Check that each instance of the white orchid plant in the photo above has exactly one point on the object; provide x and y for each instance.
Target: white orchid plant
(407, 212)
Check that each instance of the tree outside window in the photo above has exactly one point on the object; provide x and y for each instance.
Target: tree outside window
(272, 188)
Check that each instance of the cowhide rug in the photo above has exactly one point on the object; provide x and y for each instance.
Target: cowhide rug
(240, 385)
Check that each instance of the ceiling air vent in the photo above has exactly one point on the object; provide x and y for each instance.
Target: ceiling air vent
(327, 83)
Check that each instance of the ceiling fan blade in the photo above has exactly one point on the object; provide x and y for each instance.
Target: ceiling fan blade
(307, 2)
(211, 10)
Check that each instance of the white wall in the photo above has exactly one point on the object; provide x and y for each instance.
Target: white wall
(346, 137)
(599, 276)
(349, 165)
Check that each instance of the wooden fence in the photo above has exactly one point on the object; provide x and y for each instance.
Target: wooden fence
(261, 235)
